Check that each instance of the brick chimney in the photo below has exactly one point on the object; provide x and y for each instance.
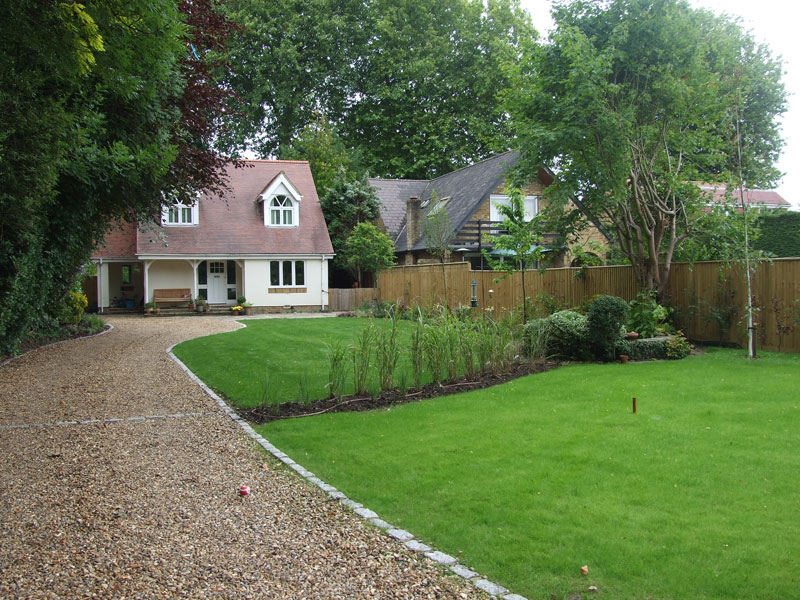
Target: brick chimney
(413, 210)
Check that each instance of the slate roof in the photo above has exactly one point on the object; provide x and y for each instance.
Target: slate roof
(467, 189)
(234, 225)
(393, 194)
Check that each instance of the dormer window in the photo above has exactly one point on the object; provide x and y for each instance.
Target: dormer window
(179, 214)
(281, 211)
(281, 203)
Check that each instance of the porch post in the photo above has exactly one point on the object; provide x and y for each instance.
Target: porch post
(100, 286)
(147, 264)
(194, 278)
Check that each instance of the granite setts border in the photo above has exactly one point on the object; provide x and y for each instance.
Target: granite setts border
(405, 538)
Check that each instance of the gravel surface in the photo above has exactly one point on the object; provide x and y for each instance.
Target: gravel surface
(148, 508)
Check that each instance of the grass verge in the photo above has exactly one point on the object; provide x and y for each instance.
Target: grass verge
(695, 496)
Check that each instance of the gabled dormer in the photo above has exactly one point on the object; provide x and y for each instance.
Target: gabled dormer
(281, 203)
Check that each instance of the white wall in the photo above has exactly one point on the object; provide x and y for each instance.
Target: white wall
(256, 283)
(169, 274)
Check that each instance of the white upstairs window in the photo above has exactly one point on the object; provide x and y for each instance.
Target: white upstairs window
(281, 203)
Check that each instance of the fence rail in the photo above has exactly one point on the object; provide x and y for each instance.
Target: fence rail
(709, 299)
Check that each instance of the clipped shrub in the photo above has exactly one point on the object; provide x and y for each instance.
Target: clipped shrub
(642, 349)
(605, 318)
(568, 334)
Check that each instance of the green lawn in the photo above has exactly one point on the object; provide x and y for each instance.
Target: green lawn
(696, 496)
(288, 351)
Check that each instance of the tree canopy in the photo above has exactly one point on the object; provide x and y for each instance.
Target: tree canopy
(632, 103)
(399, 80)
(368, 249)
(101, 112)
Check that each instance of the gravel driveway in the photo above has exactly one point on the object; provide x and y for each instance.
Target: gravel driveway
(146, 508)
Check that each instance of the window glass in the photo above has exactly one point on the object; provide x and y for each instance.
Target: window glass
(299, 273)
(186, 215)
(231, 293)
(231, 272)
(126, 274)
(287, 272)
(274, 273)
(173, 215)
(202, 273)
(216, 267)
(281, 211)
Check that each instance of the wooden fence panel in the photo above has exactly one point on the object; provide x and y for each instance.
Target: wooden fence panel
(349, 299)
(709, 299)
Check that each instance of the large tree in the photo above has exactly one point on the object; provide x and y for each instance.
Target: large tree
(632, 103)
(411, 84)
(94, 111)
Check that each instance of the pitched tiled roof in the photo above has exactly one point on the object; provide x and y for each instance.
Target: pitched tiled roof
(467, 189)
(393, 194)
(234, 224)
(768, 198)
(119, 243)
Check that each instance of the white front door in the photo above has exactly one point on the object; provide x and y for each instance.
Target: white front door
(217, 282)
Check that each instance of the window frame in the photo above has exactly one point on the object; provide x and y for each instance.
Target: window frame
(180, 215)
(496, 200)
(282, 206)
(289, 266)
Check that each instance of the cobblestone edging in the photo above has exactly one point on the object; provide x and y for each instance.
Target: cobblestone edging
(108, 327)
(404, 537)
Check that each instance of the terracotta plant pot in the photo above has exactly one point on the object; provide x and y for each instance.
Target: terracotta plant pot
(248, 310)
(631, 335)
(623, 358)
(236, 313)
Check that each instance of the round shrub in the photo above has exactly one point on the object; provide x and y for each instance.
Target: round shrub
(605, 318)
(568, 335)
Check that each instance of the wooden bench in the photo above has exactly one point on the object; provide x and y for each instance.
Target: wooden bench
(174, 296)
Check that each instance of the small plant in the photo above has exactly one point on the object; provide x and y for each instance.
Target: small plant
(647, 317)
(238, 308)
(677, 347)
(605, 319)
(337, 370)
(73, 308)
(387, 353)
(303, 392)
(546, 304)
(535, 339)
(241, 300)
(416, 352)
(434, 348)
(149, 306)
(268, 395)
(199, 301)
(362, 356)
(783, 320)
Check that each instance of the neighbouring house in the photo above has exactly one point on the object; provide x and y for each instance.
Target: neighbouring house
(266, 239)
(471, 196)
(716, 194)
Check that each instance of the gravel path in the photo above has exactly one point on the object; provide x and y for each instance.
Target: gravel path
(147, 508)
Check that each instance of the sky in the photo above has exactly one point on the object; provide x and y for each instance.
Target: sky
(773, 22)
